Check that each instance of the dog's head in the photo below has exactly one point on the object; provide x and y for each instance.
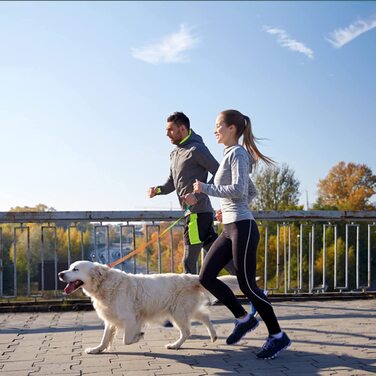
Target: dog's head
(83, 274)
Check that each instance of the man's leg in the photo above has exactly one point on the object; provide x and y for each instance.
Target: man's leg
(192, 244)
(191, 253)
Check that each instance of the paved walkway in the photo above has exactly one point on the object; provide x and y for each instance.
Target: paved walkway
(329, 338)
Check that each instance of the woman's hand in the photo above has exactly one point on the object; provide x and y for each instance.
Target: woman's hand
(197, 187)
(218, 215)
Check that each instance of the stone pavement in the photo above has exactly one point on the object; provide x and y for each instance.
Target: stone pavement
(329, 338)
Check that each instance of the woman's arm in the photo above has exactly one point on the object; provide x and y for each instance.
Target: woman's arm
(239, 169)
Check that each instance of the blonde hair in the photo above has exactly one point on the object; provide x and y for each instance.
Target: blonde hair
(243, 127)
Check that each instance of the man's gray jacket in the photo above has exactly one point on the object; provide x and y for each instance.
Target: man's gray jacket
(190, 160)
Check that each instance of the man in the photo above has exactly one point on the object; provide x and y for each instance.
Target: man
(190, 160)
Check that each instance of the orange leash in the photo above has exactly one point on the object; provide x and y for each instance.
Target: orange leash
(143, 247)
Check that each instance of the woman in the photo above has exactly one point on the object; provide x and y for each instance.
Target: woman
(240, 235)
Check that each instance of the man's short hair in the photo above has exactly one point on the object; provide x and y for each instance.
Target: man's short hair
(179, 118)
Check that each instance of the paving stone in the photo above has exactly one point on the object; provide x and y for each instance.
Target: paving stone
(122, 372)
(331, 338)
(17, 365)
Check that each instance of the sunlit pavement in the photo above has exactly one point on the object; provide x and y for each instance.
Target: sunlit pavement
(329, 338)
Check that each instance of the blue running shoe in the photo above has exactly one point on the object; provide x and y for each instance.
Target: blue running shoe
(241, 329)
(273, 346)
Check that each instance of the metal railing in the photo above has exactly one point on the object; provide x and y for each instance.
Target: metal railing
(300, 252)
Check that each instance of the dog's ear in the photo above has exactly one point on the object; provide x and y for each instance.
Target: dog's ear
(98, 272)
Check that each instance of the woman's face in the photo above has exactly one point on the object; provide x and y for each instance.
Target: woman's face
(223, 133)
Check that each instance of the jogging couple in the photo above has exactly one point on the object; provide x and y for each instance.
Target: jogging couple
(235, 248)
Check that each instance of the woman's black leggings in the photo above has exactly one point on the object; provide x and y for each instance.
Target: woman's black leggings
(238, 241)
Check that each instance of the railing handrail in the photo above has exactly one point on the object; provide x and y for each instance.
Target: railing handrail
(168, 215)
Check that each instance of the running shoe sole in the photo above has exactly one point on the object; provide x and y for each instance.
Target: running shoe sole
(275, 355)
(248, 331)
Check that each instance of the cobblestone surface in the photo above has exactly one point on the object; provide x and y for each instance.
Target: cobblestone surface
(329, 338)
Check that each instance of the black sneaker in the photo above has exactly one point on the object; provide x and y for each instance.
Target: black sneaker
(241, 329)
(273, 346)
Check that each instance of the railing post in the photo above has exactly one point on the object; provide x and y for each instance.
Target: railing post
(107, 242)
(122, 253)
(1, 262)
(369, 253)
(55, 255)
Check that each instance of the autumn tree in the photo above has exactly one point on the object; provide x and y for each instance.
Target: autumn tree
(24, 247)
(166, 252)
(347, 187)
(36, 208)
(277, 189)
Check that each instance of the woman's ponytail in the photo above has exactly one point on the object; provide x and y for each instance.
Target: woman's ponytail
(249, 142)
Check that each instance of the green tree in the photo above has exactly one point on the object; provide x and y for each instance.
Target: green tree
(277, 189)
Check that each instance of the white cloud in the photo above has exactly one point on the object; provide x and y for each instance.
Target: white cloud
(285, 40)
(340, 37)
(170, 49)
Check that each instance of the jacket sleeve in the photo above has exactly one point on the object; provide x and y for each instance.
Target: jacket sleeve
(167, 187)
(206, 160)
(239, 184)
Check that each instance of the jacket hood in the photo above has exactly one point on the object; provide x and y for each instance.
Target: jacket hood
(192, 139)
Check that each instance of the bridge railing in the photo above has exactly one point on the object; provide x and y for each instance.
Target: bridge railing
(300, 252)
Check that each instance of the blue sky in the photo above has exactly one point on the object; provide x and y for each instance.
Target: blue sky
(86, 87)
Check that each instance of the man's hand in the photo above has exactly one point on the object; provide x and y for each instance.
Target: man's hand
(152, 191)
(190, 199)
(197, 186)
(218, 215)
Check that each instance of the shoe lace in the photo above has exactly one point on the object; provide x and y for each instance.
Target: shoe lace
(269, 343)
(237, 322)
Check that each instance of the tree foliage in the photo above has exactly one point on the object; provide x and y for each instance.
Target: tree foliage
(277, 189)
(347, 187)
(22, 245)
(36, 208)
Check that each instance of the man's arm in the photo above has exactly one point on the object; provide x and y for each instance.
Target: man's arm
(164, 189)
(206, 160)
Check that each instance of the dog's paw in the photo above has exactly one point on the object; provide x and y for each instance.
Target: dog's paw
(93, 350)
(135, 339)
(213, 339)
(172, 346)
(138, 337)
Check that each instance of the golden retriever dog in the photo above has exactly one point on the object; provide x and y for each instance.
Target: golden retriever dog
(128, 301)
